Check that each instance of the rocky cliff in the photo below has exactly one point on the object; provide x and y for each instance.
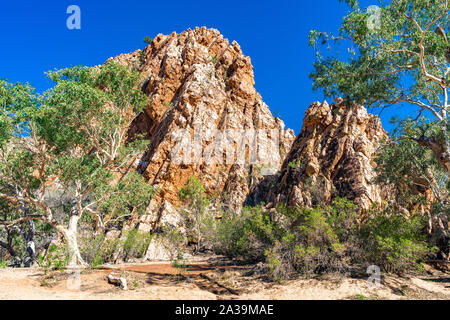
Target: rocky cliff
(205, 119)
(332, 157)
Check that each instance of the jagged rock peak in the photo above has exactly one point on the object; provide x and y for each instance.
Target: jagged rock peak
(333, 156)
(200, 84)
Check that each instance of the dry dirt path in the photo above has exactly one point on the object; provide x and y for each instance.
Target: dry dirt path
(163, 281)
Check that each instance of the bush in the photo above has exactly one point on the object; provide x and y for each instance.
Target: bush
(394, 242)
(148, 40)
(292, 241)
(57, 258)
(316, 241)
(97, 250)
(245, 235)
(331, 239)
(194, 196)
(135, 244)
(173, 241)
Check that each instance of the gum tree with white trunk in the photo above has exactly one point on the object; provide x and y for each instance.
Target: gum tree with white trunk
(74, 136)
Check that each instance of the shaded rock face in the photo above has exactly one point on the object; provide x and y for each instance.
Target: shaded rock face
(200, 86)
(331, 157)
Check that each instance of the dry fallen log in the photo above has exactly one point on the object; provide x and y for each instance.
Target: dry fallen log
(122, 282)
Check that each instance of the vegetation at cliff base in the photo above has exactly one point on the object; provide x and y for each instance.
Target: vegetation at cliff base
(79, 186)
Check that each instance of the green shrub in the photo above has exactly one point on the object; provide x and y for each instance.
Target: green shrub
(173, 241)
(332, 239)
(135, 244)
(214, 59)
(90, 249)
(343, 218)
(148, 40)
(310, 245)
(394, 242)
(57, 258)
(193, 194)
(97, 250)
(245, 235)
(291, 240)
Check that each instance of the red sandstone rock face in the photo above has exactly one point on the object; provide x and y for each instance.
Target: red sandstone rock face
(332, 156)
(200, 83)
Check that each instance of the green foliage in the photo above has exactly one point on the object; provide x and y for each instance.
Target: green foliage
(317, 240)
(18, 104)
(131, 192)
(381, 57)
(88, 106)
(291, 240)
(394, 242)
(342, 216)
(194, 193)
(3, 264)
(173, 238)
(57, 258)
(76, 131)
(179, 262)
(194, 196)
(409, 167)
(409, 170)
(309, 241)
(17, 100)
(135, 244)
(96, 250)
(360, 297)
(148, 40)
(396, 54)
(244, 235)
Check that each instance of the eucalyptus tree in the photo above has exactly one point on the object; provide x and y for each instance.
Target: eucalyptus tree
(397, 53)
(74, 138)
(412, 169)
(193, 194)
(16, 102)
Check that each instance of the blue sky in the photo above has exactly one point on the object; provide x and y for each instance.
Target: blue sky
(35, 39)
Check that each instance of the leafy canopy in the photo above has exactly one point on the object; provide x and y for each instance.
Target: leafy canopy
(76, 132)
(398, 58)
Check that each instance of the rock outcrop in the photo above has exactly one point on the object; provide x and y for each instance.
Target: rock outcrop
(203, 98)
(332, 157)
(205, 119)
(204, 105)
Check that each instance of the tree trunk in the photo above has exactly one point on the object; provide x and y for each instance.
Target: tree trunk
(10, 249)
(122, 282)
(70, 235)
(199, 234)
(72, 232)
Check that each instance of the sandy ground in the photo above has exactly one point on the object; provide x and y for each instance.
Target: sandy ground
(160, 282)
